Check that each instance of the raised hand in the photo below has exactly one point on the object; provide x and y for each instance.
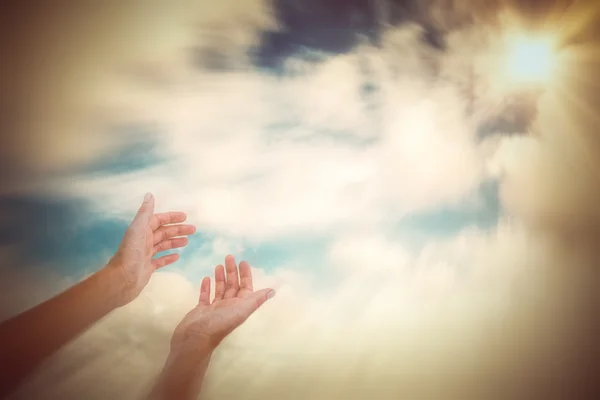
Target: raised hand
(203, 328)
(235, 300)
(147, 235)
(28, 339)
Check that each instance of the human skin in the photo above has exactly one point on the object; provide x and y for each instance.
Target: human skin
(28, 339)
(205, 326)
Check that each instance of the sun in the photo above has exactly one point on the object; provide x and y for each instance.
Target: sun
(530, 59)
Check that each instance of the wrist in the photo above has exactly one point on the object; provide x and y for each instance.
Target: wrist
(189, 360)
(194, 349)
(113, 276)
(183, 373)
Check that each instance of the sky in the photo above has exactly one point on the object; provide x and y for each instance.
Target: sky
(429, 225)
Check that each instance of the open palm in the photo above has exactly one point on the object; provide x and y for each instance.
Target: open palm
(148, 235)
(235, 300)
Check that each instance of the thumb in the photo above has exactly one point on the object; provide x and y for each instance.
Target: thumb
(146, 210)
(257, 299)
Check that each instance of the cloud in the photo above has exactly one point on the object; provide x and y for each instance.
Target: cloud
(550, 179)
(79, 55)
(260, 156)
(456, 314)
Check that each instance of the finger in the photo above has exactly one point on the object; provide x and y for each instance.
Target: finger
(169, 231)
(219, 282)
(233, 284)
(170, 244)
(245, 280)
(254, 300)
(172, 217)
(205, 292)
(164, 260)
(145, 212)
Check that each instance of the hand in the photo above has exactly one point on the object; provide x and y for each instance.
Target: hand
(209, 323)
(147, 235)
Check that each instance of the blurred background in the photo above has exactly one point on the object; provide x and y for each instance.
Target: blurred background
(419, 181)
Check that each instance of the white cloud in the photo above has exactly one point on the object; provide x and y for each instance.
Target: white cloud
(368, 252)
(258, 156)
(439, 313)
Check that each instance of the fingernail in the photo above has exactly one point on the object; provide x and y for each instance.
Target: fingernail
(147, 197)
(271, 294)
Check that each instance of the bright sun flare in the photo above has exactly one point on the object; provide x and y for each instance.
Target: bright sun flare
(530, 59)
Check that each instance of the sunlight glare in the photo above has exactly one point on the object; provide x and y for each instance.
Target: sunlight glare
(530, 59)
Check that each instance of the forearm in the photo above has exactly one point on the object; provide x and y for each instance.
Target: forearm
(183, 374)
(29, 338)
